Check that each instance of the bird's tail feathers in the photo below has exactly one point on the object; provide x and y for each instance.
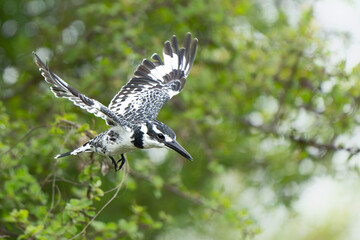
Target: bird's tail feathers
(85, 148)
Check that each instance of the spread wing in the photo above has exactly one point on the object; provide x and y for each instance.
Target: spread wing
(61, 89)
(155, 82)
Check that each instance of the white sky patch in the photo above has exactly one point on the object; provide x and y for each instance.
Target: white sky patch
(306, 166)
(320, 196)
(9, 28)
(34, 8)
(269, 10)
(10, 75)
(323, 203)
(303, 121)
(255, 118)
(267, 104)
(328, 85)
(328, 200)
(341, 16)
(349, 141)
(71, 34)
(231, 182)
(258, 201)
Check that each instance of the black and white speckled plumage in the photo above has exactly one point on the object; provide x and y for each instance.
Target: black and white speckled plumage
(154, 83)
(132, 112)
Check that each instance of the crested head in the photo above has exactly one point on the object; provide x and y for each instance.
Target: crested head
(155, 134)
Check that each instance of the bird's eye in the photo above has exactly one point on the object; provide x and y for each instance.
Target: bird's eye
(161, 136)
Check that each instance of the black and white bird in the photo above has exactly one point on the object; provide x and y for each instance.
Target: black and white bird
(132, 112)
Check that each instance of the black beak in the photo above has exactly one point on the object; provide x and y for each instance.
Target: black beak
(179, 149)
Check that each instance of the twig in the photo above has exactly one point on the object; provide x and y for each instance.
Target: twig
(53, 187)
(88, 133)
(169, 187)
(60, 179)
(106, 204)
(23, 138)
(4, 233)
(174, 189)
(302, 140)
(88, 194)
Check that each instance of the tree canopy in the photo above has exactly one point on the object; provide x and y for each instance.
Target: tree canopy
(262, 112)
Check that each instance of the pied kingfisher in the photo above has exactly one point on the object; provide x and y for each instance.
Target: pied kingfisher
(132, 112)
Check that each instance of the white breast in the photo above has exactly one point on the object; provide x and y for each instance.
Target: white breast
(117, 141)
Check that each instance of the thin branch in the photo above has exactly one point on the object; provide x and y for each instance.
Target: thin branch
(107, 203)
(60, 179)
(53, 188)
(174, 189)
(169, 187)
(23, 138)
(287, 84)
(301, 140)
(88, 194)
(4, 233)
(88, 133)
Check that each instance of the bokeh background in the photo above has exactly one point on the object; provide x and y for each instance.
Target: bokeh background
(269, 113)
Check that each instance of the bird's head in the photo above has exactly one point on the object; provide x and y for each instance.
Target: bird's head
(158, 135)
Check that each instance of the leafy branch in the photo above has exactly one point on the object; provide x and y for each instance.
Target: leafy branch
(107, 203)
(302, 140)
(194, 198)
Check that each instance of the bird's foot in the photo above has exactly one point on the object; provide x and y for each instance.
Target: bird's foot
(114, 162)
(122, 161)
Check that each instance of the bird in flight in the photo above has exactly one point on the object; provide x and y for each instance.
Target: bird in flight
(132, 112)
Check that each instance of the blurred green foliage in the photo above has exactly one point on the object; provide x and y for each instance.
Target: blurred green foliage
(260, 103)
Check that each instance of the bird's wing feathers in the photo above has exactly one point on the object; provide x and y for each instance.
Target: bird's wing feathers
(155, 82)
(61, 89)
